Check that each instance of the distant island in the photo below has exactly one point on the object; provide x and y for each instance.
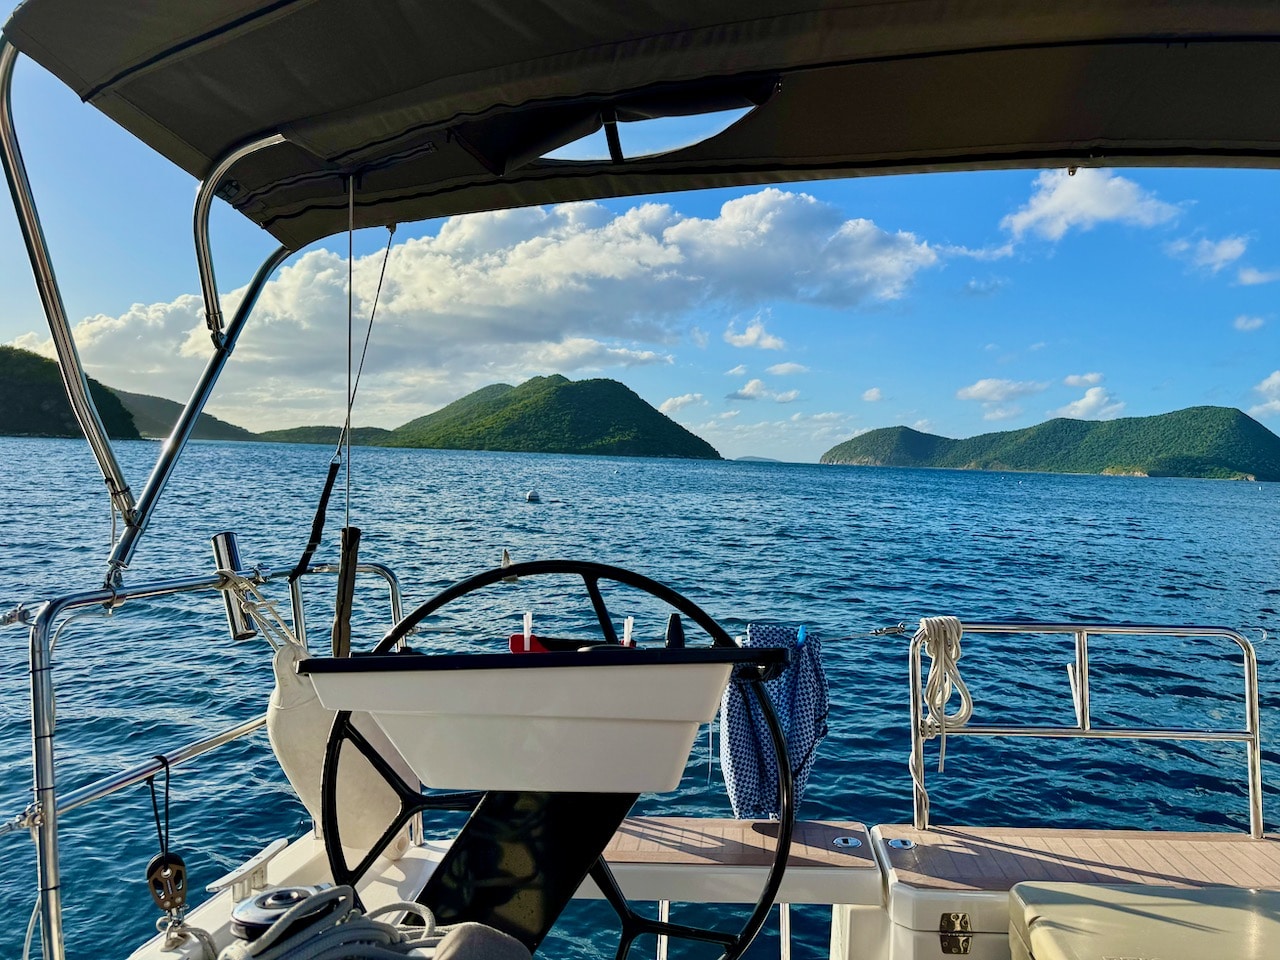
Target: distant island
(1208, 442)
(544, 415)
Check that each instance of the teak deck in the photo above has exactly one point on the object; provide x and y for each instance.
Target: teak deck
(694, 841)
(995, 858)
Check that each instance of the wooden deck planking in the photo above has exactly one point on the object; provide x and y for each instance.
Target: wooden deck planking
(974, 858)
(697, 841)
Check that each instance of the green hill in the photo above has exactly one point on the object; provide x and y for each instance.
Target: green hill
(360, 436)
(1217, 442)
(544, 415)
(555, 415)
(155, 417)
(33, 402)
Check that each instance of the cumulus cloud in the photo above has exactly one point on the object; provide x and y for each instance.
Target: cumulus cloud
(673, 404)
(583, 353)
(776, 244)
(1210, 255)
(1249, 276)
(1247, 323)
(1096, 404)
(1062, 202)
(787, 369)
(503, 296)
(1082, 379)
(754, 336)
(756, 390)
(739, 371)
(998, 391)
(873, 395)
(995, 396)
(1269, 389)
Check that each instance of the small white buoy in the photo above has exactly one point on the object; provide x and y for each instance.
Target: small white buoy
(532, 497)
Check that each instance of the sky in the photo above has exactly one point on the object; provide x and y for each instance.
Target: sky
(773, 322)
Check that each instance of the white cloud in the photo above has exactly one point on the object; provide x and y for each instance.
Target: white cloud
(1096, 404)
(754, 336)
(1211, 255)
(739, 371)
(1062, 202)
(1246, 323)
(673, 404)
(978, 253)
(873, 395)
(756, 390)
(787, 369)
(1270, 391)
(583, 353)
(775, 244)
(503, 296)
(998, 391)
(994, 395)
(1250, 277)
(1082, 379)
(751, 390)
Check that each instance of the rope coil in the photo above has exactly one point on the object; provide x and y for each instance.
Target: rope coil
(329, 926)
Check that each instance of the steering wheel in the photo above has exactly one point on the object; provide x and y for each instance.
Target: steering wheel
(413, 801)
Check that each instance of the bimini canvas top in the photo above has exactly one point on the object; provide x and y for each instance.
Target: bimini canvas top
(440, 107)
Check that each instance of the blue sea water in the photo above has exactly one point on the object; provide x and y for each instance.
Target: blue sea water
(842, 550)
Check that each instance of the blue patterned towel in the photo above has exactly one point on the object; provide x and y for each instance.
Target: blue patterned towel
(800, 699)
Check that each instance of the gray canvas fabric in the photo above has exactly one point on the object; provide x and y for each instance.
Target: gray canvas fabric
(440, 108)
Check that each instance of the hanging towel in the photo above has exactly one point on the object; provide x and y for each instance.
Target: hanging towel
(800, 699)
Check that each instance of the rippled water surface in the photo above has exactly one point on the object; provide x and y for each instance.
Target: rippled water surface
(843, 550)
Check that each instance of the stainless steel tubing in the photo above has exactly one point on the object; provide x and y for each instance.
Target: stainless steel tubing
(378, 569)
(200, 223)
(1082, 678)
(73, 378)
(1108, 733)
(1250, 735)
(48, 876)
(127, 778)
(123, 551)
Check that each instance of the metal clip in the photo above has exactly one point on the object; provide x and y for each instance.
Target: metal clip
(18, 614)
(32, 817)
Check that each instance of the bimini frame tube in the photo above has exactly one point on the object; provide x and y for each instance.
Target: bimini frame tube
(122, 553)
(73, 378)
(200, 224)
(224, 342)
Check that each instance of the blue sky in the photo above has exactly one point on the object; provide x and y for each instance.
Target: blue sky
(773, 322)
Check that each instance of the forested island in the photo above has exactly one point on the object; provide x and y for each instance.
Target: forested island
(545, 415)
(1209, 442)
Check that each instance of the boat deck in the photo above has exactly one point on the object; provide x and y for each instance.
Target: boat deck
(995, 858)
(722, 860)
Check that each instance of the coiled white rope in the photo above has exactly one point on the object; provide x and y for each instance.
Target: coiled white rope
(941, 637)
(328, 926)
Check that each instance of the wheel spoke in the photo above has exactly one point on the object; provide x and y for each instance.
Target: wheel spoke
(602, 611)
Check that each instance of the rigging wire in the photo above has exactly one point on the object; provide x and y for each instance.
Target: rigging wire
(351, 260)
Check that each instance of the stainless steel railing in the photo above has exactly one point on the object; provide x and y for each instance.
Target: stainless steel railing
(923, 729)
(42, 815)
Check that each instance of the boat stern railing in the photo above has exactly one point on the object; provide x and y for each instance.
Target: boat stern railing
(926, 724)
(41, 816)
